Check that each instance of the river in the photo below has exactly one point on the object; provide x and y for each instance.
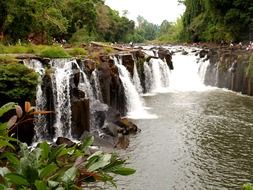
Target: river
(202, 137)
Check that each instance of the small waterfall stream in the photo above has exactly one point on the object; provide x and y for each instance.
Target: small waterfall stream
(84, 84)
(40, 121)
(96, 84)
(156, 75)
(61, 91)
(136, 80)
(135, 104)
(148, 77)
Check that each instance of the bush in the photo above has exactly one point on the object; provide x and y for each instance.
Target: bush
(82, 36)
(54, 52)
(17, 83)
(77, 52)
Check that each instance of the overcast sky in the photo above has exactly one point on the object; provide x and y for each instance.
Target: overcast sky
(154, 11)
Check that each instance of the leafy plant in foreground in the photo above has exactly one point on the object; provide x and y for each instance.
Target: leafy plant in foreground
(53, 167)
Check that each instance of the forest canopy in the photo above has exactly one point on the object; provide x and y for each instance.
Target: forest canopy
(81, 21)
(217, 20)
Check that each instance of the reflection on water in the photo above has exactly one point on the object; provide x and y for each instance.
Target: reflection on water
(201, 140)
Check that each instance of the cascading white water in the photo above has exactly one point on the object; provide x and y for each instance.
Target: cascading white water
(84, 83)
(136, 79)
(148, 77)
(185, 76)
(160, 75)
(40, 121)
(202, 69)
(165, 72)
(135, 104)
(97, 87)
(61, 91)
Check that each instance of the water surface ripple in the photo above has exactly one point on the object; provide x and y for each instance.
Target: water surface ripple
(201, 140)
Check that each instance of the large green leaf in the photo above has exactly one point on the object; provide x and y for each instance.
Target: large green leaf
(56, 152)
(48, 170)
(87, 142)
(3, 126)
(16, 179)
(102, 162)
(124, 171)
(4, 143)
(40, 185)
(7, 107)
(45, 149)
(53, 184)
(11, 157)
(69, 175)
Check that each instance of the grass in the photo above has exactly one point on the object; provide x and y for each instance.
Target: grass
(41, 50)
(77, 52)
(6, 59)
(54, 52)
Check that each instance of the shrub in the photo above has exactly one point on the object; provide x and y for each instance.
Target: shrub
(54, 52)
(17, 83)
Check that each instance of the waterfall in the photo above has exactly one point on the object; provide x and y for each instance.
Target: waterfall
(148, 77)
(84, 84)
(185, 76)
(135, 105)
(96, 84)
(202, 69)
(61, 93)
(136, 79)
(40, 121)
(165, 72)
(160, 75)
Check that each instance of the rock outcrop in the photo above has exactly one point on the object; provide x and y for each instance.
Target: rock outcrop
(229, 68)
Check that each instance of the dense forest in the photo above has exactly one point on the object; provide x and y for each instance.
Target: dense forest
(78, 21)
(217, 20)
(41, 21)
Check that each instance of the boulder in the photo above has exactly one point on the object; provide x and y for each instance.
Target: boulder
(65, 141)
(167, 55)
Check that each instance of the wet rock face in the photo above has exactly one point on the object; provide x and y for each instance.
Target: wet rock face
(128, 62)
(227, 69)
(111, 86)
(167, 55)
(48, 91)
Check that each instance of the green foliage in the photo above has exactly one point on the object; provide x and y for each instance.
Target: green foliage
(52, 167)
(214, 20)
(82, 36)
(79, 20)
(146, 29)
(4, 138)
(170, 32)
(247, 186)
(54, 52)
(17, 83)
(77, 52)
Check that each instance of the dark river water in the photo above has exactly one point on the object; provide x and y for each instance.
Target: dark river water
(200, 140)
